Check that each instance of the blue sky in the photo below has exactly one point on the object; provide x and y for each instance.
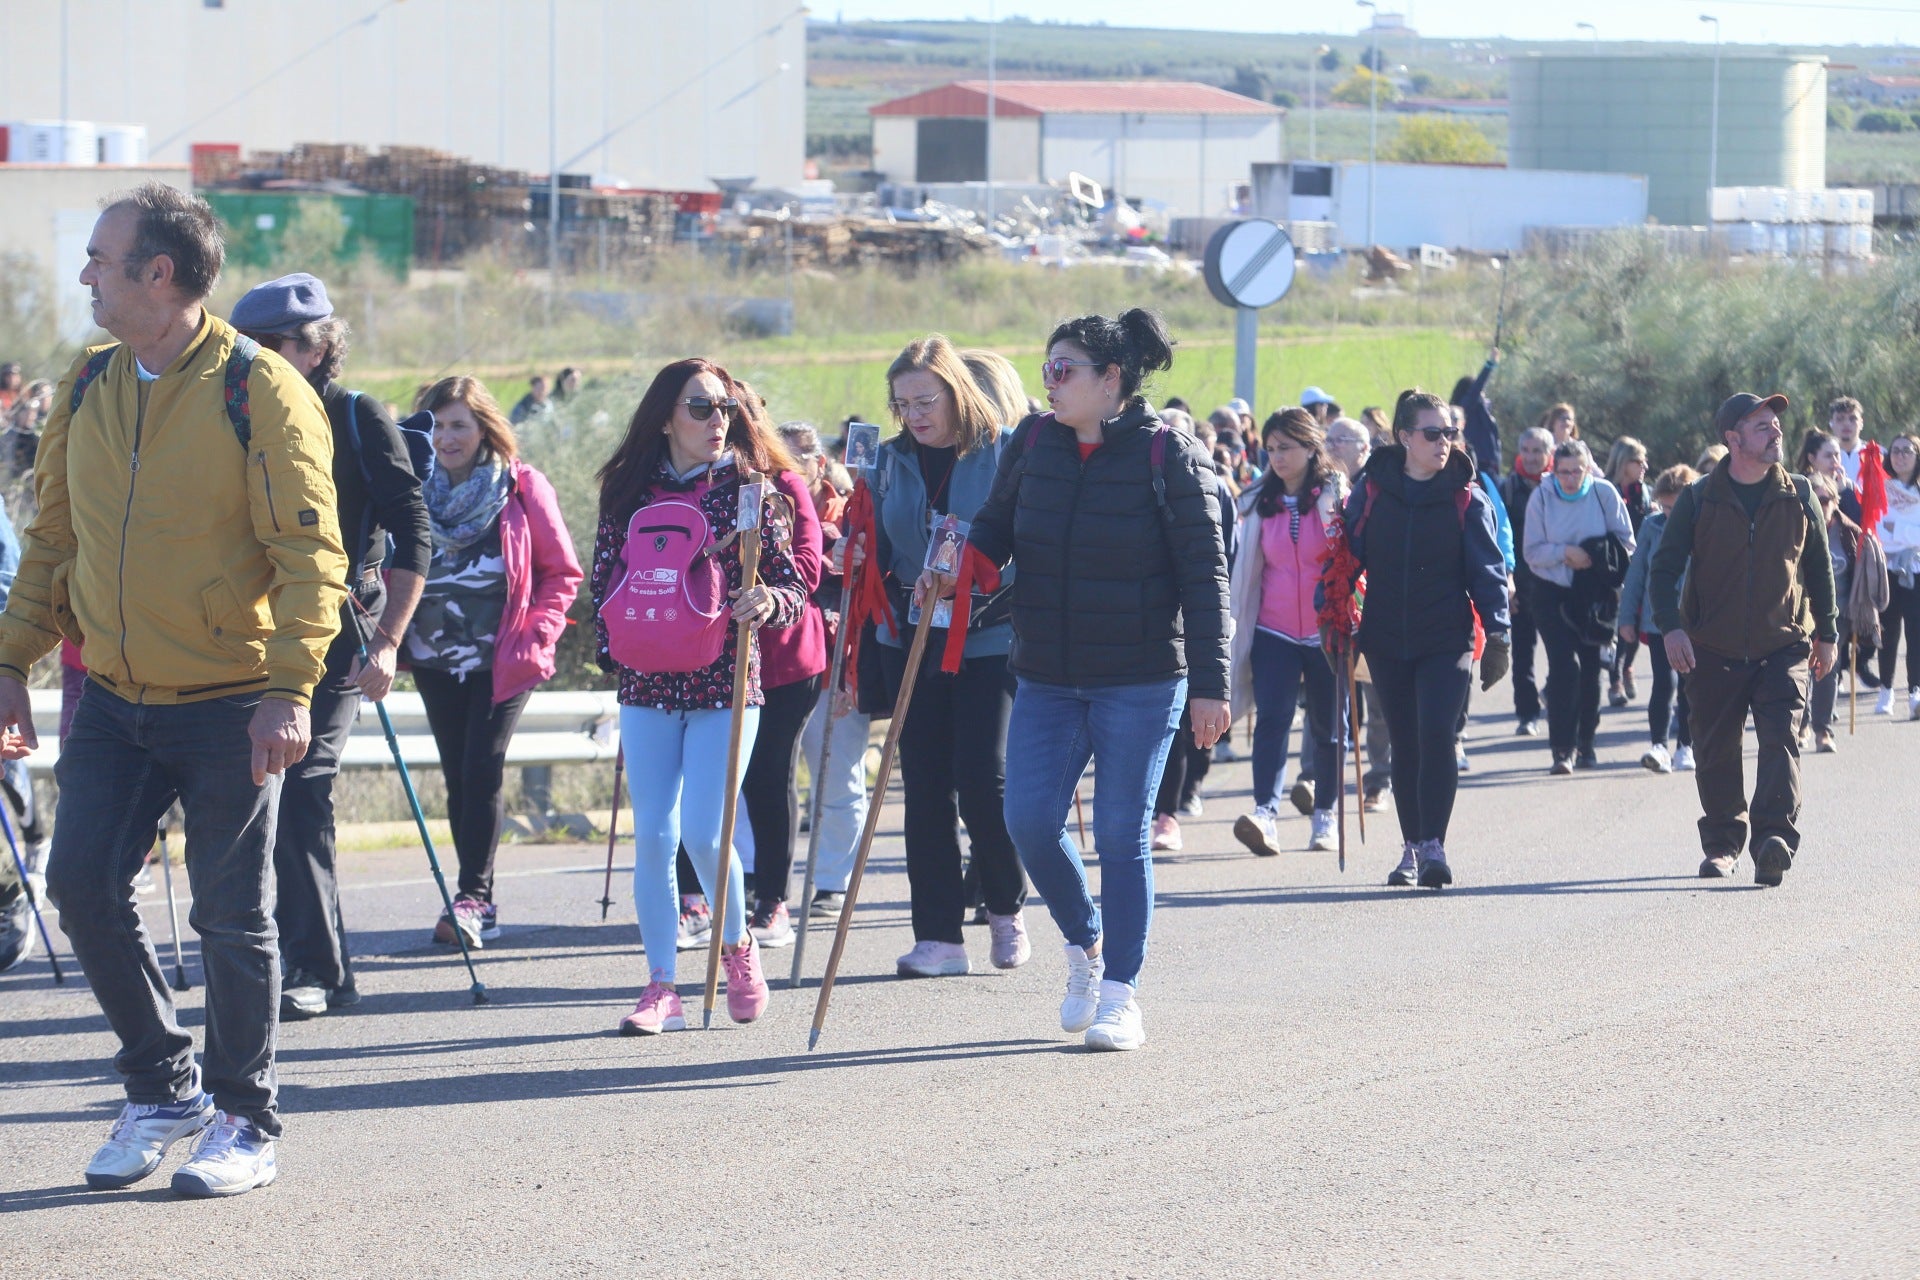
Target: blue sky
(1823, 22)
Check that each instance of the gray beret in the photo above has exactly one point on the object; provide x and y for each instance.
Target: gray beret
(283, 305)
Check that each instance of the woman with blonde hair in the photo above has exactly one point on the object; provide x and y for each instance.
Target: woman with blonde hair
(502, 577)
(1627, 472)
(953, 744)
(999, 382)
(1560, 423)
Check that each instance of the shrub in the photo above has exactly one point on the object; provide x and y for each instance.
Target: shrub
(1839, 115)
(1881, 120)
(1357, 89)
(1440, 140)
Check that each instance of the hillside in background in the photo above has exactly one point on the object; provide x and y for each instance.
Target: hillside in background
(853, 65)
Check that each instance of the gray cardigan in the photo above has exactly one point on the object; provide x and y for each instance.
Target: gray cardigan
(1555, 523)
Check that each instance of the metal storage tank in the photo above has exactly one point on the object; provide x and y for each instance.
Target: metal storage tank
(1651, 114)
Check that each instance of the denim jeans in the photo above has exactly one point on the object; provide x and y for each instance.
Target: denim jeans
(1280, 667)
(843, 797)
(1054, 731)
(122, 766)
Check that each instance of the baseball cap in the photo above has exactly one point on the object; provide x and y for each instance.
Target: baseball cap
(1739, 405)
(1313, 396)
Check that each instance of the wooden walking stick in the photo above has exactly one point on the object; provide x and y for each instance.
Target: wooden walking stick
(1353, 716)
(1340, 801)
(613, 828)
(1080, 813)
(747, 529)
(900, 704)
(813, 795)
(1853, 681)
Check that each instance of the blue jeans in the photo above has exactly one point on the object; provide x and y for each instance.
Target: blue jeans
(676, 779)
(121, 767)
(843, 795)
(1053, 733)
(1279, 667)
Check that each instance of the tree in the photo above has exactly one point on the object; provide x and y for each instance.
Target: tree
(1373, 58)
(1357, 89)
(1282, 98)
(1839, 115)
(1251, 82)
(1330, 60)
(1882, 121)
(1440, 140)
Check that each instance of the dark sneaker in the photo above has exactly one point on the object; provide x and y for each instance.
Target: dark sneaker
(1616, 697)
(302, 996)
(1403, 876)
(1527, 729)
(1302, 796)
(1585, 758)
(16, 931)
(827, 904)
(770, 925)
(479, 921)
(1434, 872)
(696, 923)
(344, 996)
(1770, 862)
(1718, 866)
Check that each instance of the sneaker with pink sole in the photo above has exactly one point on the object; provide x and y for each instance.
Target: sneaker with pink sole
(746, 985)
(659, 1010)
(1010, 946)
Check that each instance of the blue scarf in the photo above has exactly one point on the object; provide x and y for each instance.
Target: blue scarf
(1586, 486)
(461, 514)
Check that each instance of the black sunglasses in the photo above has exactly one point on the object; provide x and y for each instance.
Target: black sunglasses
(1439, 433)
(701, 408)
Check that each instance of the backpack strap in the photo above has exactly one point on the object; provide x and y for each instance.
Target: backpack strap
(239, 368)
(1461, 501)
(1157, 459)
(1366, 507)
(95, 366)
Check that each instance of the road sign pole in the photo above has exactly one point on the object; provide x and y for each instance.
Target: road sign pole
(1246, 352)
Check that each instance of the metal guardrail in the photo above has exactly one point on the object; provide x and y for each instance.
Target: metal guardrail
(562, 727)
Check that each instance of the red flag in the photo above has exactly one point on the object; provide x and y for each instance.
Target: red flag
(867, 601)
(975, 570)
(1340, 592)
(1873, 488)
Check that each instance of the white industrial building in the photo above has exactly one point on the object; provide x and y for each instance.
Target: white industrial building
(657, 93)
(1186, 145)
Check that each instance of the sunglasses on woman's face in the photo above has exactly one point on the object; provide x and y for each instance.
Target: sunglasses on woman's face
(1432, 434)
(1055, 371)
(700, 408)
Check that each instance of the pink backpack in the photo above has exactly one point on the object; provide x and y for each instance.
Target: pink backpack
(669, 611)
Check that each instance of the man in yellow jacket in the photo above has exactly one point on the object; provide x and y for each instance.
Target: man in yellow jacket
(187, 541)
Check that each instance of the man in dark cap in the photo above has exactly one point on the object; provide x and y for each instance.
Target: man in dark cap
(378, 494)
(1743, 597)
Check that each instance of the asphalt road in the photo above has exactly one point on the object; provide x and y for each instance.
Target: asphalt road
(1580, 1060)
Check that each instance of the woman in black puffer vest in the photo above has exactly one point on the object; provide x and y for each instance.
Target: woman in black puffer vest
(1120, 604)
(1424, 533)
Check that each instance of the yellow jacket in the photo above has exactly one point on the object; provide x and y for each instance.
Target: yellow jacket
(184, 566)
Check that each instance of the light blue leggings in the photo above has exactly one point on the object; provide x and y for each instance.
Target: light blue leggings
(676, 773)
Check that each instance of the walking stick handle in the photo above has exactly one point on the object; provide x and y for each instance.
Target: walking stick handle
(900, 704)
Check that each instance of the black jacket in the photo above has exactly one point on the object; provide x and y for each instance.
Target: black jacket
(397, 506)
(1425, 560)
(1112, 589)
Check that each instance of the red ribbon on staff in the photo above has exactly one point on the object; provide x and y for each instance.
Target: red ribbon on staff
(1873, 489)
(867, 602)
(975, 571)
(1338, 611)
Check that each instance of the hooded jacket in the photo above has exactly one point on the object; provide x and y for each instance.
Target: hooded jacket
(183, 565)
(1429, 566)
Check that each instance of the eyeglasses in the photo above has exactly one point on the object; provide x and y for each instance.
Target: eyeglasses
(1432, 434)
(919, 404)
(700, 408)
(1057, 369)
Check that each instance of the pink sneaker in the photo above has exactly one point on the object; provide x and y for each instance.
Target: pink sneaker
(1166, 833)
(746, 986)
(659, 1010)
(1010, 946)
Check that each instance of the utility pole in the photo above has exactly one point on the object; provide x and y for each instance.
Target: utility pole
(553, 155)
(993, 27)
(1373, 111)
(1313, 102)
(1713, 119)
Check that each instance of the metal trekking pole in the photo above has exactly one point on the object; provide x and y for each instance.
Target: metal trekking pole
(814, 802)
(887, 751)
(1504, 267)
(33, 899)
(420, 821)
(1353, 717)
(613, 828)
(173, 914)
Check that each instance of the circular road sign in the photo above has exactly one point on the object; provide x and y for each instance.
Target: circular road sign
(1250, 264)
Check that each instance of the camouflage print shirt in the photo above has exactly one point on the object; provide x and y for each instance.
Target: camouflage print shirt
(459, 615)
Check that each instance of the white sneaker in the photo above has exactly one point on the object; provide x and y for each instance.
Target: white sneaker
(1083, 989)
(1883, 705)
(1010, 946)
(232, 1156)
(1913, 705)
(1656, 760)
(1116, 1023)
(140, 1138)
(1683, 759)
(934, 960)
(1324, 838)
(1259, 831)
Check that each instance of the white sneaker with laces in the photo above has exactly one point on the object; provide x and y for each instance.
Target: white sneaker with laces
(1083, 989)
(1883, 705)
(232, 1156)
(1683, 759)
(934, 960)
(1010, 946)
(1116, 1022)
(1656, 760)
(1259, 831)
(140, 1138)
(1323, 838)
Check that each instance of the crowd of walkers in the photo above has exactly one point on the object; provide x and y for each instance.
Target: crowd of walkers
(236, 549)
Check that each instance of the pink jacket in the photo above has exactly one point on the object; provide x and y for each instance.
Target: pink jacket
(543, 576)
(789, 655)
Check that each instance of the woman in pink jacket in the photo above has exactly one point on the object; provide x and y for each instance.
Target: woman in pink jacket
(1283, 546)
(502, 578)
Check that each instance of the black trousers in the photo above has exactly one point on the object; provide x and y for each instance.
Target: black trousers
(1422, 698)
(1903, 607)
(471, 732)
(1667, 706)
(1187, 767)
(1526, 693)
(953, 765)
(313, 936)
(769, 786)
(1573, 673)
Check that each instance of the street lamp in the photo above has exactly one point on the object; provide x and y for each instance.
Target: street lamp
(993, 27)
(1313, 101)
(1713, 120)
(1590, 29)
(1373, 108)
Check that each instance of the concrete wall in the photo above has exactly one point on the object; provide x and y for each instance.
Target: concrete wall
(1651, 115)
(1468, 207)
(701, 83)
(47, 213)
(896, 147)
(1188, 162)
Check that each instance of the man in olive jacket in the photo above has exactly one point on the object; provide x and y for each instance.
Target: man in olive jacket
(1740, 622)
(187, 541)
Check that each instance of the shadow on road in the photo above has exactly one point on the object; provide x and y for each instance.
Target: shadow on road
(1321, 894)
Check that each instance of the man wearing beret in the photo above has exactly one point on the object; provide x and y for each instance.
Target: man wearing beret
(187, 542)
(1743, 596)
(378, 494)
